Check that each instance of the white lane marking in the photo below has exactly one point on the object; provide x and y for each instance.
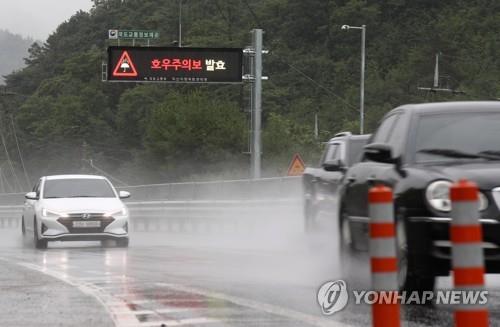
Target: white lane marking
(259, 306)
(172, 310)
(104, 299)
(130, 312)
(172, 323)
(119, 311)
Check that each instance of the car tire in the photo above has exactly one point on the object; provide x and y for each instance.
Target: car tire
(39, 244)
(23, 227)
(122, 242)
(348, 261)
(414, 274)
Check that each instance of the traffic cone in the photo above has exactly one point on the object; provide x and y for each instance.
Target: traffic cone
(383, 259)
(467, 252)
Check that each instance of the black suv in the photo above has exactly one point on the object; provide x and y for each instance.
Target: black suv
(418, 151)
(321, 185)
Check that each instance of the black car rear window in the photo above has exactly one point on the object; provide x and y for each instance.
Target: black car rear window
(355, 151)
(77, 188)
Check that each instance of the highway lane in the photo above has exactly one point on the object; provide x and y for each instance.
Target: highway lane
(269, 278)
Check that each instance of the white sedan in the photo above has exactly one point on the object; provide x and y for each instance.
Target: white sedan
(75, 208)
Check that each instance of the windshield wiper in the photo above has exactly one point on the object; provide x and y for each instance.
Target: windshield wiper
(488, 155)
(491, 153)
(451, 153)
(53, 197)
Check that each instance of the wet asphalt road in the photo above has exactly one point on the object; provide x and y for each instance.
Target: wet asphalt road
(265, 279)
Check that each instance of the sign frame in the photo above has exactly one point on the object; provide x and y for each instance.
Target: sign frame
(236, 77)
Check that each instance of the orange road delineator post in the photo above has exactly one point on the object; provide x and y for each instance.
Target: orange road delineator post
(467, 253)
(383, 259)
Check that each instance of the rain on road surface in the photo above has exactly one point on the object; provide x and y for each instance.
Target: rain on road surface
(268, 278)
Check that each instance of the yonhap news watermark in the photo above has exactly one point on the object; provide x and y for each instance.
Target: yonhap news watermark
(333, 296)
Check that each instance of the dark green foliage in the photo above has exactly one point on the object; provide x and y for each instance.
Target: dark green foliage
(166, 132)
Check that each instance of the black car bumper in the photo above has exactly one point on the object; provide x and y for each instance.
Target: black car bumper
(429, 236)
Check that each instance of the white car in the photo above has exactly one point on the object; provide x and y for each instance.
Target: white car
(75, 208)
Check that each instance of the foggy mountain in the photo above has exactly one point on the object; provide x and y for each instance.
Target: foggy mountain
(13, 48)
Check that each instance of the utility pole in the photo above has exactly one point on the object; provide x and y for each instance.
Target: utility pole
(437, 87)
(316, 126)
(254, 52)
(180, 23)
(256, 150)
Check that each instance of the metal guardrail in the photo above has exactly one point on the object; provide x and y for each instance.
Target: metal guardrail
(192, 207)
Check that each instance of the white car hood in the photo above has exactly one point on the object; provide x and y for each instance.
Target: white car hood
(83, 205)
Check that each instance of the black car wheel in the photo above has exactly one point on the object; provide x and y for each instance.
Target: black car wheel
(414, 274)
(39, 244)
(347, 253)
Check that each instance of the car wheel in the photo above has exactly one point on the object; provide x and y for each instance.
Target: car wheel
(39, 244)
(23, 227)
(347, 253)
(413, 273)
(122, 242)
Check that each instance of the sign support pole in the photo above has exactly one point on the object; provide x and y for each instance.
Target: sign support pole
(256, 149)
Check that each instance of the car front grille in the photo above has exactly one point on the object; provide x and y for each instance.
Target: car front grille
(68, 222)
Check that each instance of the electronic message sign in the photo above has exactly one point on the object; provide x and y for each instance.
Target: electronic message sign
(177, 65)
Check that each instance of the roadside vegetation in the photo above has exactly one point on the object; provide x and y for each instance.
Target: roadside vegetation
(65, 116)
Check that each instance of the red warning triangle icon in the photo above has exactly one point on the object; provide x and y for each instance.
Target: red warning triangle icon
(125, 67)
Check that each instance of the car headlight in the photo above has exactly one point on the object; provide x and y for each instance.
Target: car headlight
(119, 212)
(483, 202)
(438, 196)
(50, 213)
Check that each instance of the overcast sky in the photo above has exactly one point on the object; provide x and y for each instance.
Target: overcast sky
(38, 18)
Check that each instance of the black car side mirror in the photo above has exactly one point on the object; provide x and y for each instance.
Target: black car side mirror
(379, 152)
(334, 165)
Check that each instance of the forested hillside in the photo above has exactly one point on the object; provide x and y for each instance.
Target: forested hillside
(13, 48)
(65, 116)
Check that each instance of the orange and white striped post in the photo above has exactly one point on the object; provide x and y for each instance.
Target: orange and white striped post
(467, 253)
(384, 268)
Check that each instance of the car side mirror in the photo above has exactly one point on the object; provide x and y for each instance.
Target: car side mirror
(124, 194)
(334, 165)
(31, 196)
(379, 152)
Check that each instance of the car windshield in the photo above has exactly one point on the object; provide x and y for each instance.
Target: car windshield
(471, 136)
(77, 188)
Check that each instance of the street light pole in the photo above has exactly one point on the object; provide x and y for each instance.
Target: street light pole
(362, 85)
(362, 81)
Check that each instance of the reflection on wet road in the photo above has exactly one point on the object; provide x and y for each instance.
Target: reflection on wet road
(180, 280)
